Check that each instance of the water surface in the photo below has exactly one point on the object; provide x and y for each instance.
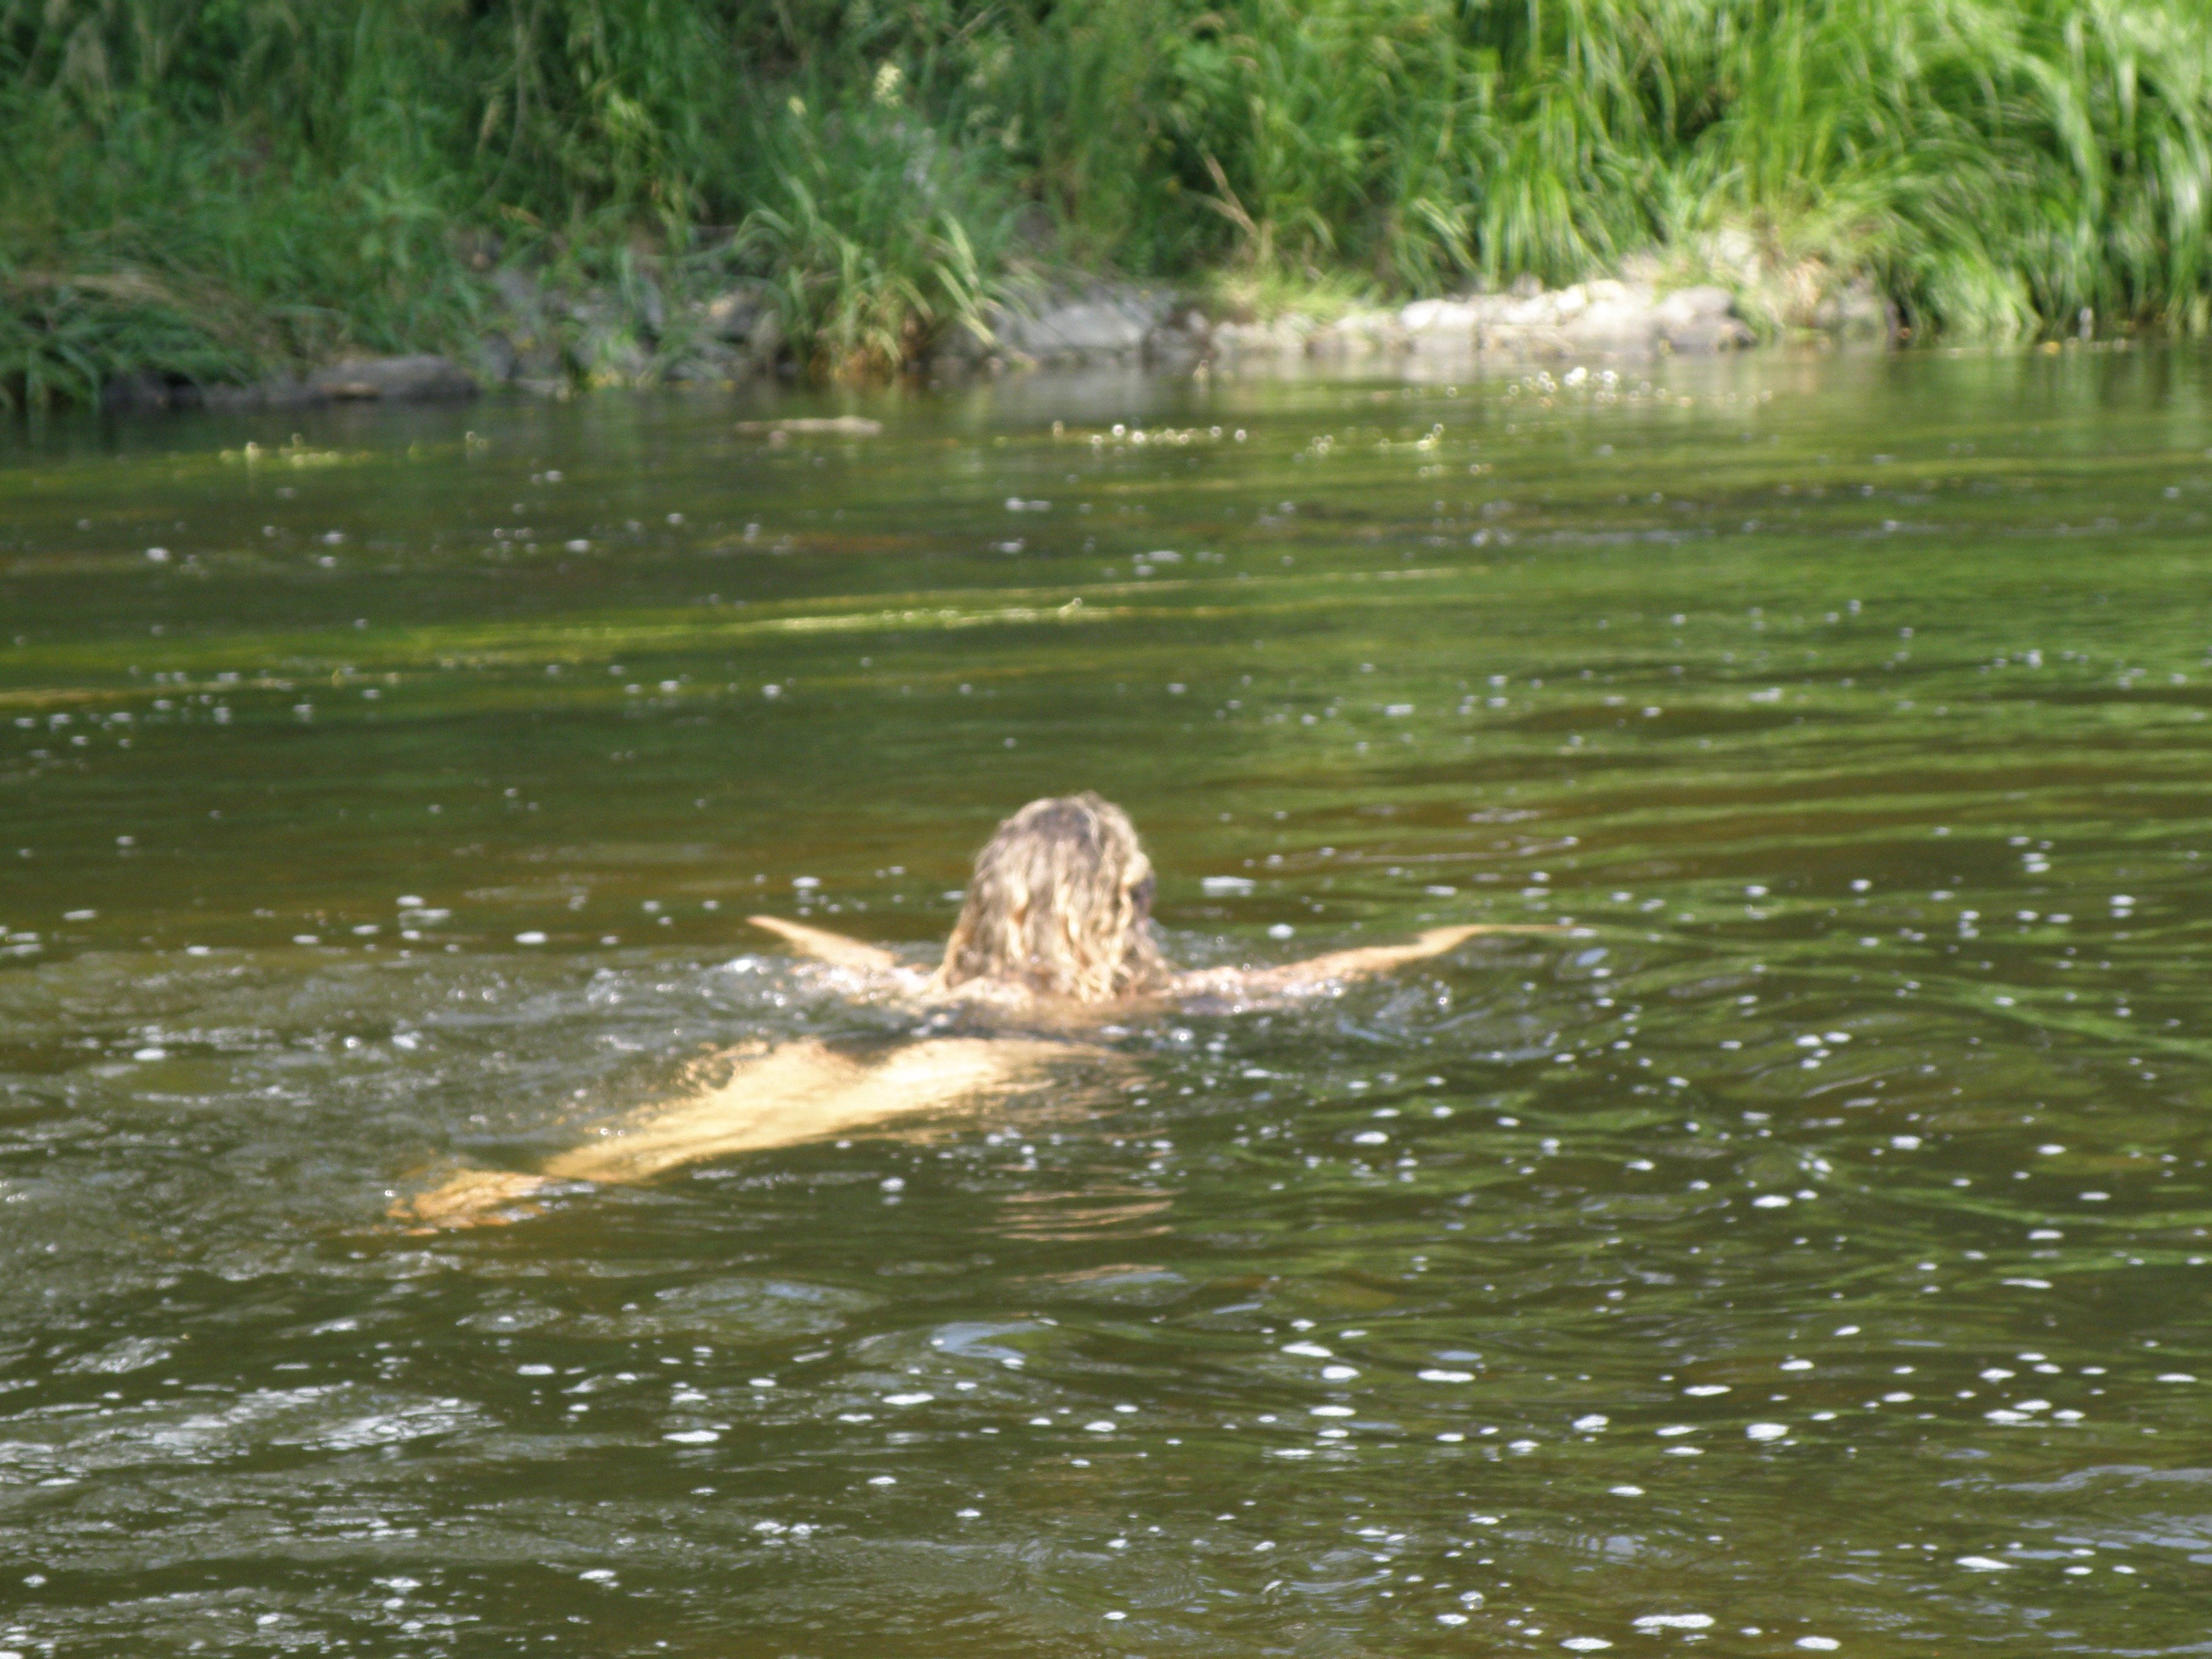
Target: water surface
(1806, 1251)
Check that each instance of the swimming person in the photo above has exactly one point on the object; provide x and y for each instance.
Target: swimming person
(1054, 935)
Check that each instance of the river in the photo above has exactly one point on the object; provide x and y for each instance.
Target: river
(1804, 1249)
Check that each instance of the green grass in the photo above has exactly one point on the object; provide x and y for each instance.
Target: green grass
(210, 188)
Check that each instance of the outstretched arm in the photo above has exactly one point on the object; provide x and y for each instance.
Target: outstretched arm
(833, 948)
(1352, 964)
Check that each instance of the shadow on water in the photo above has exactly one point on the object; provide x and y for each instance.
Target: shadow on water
(1806, 1253)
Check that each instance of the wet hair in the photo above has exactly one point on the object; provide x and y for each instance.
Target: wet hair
(1061, 906)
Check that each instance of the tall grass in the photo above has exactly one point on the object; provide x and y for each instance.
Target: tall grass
(211, 187)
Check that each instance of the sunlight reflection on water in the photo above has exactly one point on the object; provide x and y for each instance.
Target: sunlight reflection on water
(1805, 1251)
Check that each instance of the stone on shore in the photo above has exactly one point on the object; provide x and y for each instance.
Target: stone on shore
(1702, 318)
(1599, 319)
(419, 378)
(1282, 336)
(1109, 324)
(1087, 329)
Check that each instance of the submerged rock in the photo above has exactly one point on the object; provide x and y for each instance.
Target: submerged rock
(830, 426)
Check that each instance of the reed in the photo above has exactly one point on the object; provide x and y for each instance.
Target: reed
(207, 189)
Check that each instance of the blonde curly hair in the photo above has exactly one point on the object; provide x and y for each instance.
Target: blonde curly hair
(1061, 906)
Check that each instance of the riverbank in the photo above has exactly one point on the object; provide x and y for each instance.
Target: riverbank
(546, 345)
(579, 193)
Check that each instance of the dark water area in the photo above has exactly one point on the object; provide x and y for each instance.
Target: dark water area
(1806, 1250)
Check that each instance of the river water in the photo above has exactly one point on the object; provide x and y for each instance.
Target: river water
(1806, 1251)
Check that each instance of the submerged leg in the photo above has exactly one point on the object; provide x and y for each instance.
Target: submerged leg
(797, 1092)
(473, 1198)
(805, 1091)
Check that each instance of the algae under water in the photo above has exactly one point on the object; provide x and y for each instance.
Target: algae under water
(1806, 1252)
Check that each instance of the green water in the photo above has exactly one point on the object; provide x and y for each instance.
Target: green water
(1811, 1249)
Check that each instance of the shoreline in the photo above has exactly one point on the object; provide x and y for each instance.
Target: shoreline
(543, 342)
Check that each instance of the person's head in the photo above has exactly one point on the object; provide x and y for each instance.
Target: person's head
(1061, 906)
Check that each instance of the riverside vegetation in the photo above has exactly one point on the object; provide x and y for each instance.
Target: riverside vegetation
(210, 191)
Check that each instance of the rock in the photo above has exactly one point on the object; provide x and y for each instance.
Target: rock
(1362, 334)
(1609, 317)
(1285, 336)
(412, 379)
(1178, 339)
(1704, 334)
(1079, 330)
(496, 360)
(1856, 311)
(519, 293)
(1686, 305)
(147, 390)
(966, 346)
(651, 308)
(713, 362)
(609, 354)
(527, 334)
(765, 339)
(1702, 318)
(732, 315)
(819, 426)
(278, 392)
(1116, 323)
(1440, 327)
